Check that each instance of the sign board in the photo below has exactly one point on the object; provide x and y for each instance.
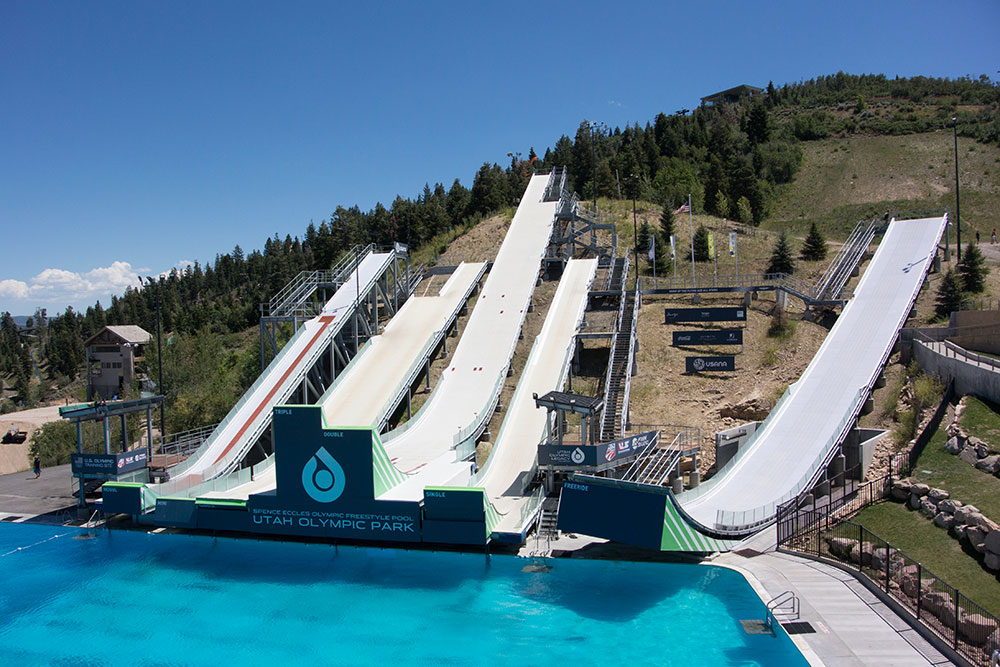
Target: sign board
(725, 314)
(109, 464)
(624, 512)
(709, 337)
(580, 456)
(709, 364)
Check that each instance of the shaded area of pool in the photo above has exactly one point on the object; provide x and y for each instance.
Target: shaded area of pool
(126, 598)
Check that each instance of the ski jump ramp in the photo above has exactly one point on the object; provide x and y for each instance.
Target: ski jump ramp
(802, 432)
(228, 444)
(463, 400)
(508, 469)
(365, 391)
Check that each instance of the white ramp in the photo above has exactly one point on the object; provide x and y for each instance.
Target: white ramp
(360, 399)
(818, 409)
(252, 414)
(468, 389)
(523, 427)
(516, 447)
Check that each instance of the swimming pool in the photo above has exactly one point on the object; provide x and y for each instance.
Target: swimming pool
(129, 598)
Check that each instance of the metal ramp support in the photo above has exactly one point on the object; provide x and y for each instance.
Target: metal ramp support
(303, 298)
(574, 233)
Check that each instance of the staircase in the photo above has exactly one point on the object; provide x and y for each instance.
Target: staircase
(548, 519)
(619, 371)
(832, 283)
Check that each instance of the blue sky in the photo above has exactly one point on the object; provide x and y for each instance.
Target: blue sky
(137, 136)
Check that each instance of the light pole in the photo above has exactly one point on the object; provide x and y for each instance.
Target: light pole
(159, 358)
(635, 224)
(958, 209)
(593, 155)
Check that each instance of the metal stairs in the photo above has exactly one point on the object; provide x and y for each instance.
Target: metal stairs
(833, 280)
(619, 370)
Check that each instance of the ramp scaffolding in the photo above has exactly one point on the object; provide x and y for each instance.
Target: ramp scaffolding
(302, 371)
(575, 232)
(303, 298)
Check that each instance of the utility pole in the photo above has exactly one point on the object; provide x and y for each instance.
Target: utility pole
(159, 356)
(958, 209)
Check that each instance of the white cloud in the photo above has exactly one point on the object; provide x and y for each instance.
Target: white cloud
(53, 286)
(183, 264)
(13, 289)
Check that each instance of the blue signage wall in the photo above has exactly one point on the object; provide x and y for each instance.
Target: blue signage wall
(593, 455)
(709, 337)
(709, 364)
(610, 509)
(325, 487)
(108, 464)
(727, 314)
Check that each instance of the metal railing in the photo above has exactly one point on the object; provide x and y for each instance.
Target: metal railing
(742, 521)
(530, 509)
(182, 443)
(949, 350)
(847, 254)
(609, 411)
(633, 341)
(959, 621)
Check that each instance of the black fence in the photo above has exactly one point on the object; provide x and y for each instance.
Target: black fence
(970, 630)
(822, 530)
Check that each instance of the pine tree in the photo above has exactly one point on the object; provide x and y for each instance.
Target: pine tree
(701, 244)
(721, 204)
(662, 261)
(815, 245)
(972, 270)
(743, 211)
(949, 296)
(781, 257)
(643, 239)
(667, 221)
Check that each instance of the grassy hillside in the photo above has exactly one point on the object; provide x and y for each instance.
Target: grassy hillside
(843, 180)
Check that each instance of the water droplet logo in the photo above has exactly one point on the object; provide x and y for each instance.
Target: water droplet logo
(322, 477)
(577, 456)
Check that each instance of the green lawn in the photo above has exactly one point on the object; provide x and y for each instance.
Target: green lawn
(964, 482)
(982, 420)
(915, 535)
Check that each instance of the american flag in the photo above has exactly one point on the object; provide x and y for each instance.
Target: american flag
(683, 209)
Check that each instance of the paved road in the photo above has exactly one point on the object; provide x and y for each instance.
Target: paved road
(23, 495)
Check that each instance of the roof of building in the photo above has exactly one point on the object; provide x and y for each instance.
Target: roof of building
(128, 333)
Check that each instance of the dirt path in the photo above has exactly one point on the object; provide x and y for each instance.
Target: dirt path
(14, 457)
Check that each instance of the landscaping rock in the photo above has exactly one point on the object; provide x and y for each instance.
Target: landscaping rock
(992, 642)
(991, 561)
(928, 507)
(901, 489)
(841, 546)
(982, 450)
(914, 501)
(993, 542)
(920, 489)
(950, 506)
(879, 557)
(934, 602)
(947, 614)
(976, 537)
(943, 520)
(962, 514)
(937, 495)
(975, 628)
(953, 446)
(957, 530)
(985, 523)
(988, 463)
(969, 455)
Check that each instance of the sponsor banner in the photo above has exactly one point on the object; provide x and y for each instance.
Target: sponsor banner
(709, 290)
(723, 314)
(598, 507)
(709, 364)
(108, 464)
(594, 455)
(720, 337)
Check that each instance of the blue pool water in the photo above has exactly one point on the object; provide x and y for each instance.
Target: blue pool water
(128, 598)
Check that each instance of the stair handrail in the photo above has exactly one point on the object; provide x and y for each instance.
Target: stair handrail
(614, 344)
(633, 341)
(778, 601)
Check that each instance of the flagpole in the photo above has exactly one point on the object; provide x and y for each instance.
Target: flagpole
(715, 258)
(694, 281)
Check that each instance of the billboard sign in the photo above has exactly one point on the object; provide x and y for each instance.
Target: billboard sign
(109, 464)
(726, 314)
(709, 364)
(580, 456)
(709, 337)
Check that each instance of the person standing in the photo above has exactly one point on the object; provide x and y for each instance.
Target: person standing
(993, 239)
(37, 467)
